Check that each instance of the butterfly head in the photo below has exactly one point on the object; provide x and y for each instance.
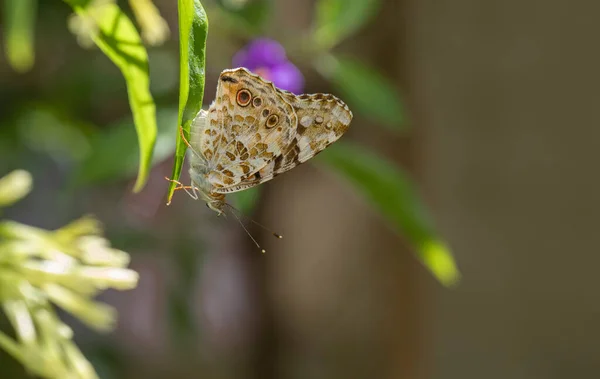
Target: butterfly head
(201, 183)
(252, 103)
(242, 87)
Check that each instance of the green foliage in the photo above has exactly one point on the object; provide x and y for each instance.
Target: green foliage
(250, 16)
(19, 22)
(193, 30)
(114, 33)
(338, 19)
(365, 89)
(112, 156)
(66, 267)
(118, 38)
(390, 191)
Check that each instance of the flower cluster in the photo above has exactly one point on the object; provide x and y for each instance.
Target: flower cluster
(267, 58)
(66, 267)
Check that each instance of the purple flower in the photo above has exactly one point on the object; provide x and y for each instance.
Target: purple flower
(266, 57)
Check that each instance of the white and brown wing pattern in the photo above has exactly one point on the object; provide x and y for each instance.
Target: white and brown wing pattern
(249, 124)
(253, 131)
(322, 120)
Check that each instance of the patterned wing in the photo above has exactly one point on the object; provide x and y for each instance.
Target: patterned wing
(322, 120)
(197, 132)
(248, 125)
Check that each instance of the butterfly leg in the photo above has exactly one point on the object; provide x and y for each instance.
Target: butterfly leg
(192, 194)
(183, 137)
(195, 195)
(180, 186)
(188, 144)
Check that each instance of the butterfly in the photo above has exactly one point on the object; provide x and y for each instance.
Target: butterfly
(254, 131)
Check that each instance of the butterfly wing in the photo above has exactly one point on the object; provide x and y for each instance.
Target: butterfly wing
(322, 120)
(197, 134)
(249, 124)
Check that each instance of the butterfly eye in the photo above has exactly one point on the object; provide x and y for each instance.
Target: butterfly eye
(257, 102)
(272, 121)
(243, 97)
(265, 112)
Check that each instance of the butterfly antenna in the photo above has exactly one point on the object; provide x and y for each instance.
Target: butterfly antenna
(254, 222)
(248, 233)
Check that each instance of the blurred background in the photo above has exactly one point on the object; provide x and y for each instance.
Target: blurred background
(498, 131)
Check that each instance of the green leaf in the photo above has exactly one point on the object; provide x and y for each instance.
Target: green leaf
(118, 38)
(248, 16)
(19, 22)
(14, 186)
(112, 156)
(193, 29)
(365, 90)
(391, 192)
(337, 19)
